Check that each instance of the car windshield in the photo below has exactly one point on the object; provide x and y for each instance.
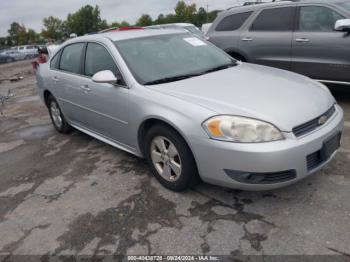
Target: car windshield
(167, 58)
(345, 5)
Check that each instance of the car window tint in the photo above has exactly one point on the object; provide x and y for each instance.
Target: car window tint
(233, 22)
(71, 58)
(98, 59)
(276, 19)
(317, 19)
(55, 61)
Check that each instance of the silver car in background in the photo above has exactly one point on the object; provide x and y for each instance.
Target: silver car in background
(191, 110)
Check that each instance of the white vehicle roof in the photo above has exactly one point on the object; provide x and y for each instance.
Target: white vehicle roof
(128, 34)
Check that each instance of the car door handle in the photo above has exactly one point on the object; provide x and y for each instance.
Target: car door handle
(86, 88)
(302, 40)
(247, 39)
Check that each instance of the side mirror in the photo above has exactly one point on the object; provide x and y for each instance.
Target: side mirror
(105, 76)
(343, 25)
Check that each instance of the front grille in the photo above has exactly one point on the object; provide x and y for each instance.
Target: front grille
(314, 160)
(313, 124)
(261, 178)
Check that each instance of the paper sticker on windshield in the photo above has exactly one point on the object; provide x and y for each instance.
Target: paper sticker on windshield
(194, 41)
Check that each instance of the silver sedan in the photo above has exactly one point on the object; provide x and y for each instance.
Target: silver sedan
(192, 111)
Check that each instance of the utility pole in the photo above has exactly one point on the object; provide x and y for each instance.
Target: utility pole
(207, 13)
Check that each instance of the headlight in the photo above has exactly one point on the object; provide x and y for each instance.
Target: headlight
(241, 129)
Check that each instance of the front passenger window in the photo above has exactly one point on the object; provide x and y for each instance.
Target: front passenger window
(317, 19)
(98, 59)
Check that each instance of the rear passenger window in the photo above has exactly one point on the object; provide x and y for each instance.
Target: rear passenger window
(71, 58)
(276, 19)
(54, 64)
(98, 59)
(232, 22)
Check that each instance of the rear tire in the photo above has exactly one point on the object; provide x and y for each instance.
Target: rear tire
(170, 159)
(57, 118)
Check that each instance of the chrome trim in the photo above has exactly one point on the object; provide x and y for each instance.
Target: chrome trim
(93, 111)
(333, 82)
(107, 140)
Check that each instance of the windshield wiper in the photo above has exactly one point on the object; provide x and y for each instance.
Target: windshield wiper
(170, 79)
(185, 76)
(221, 67)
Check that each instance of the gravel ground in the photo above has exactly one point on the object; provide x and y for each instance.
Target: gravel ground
(71, 194)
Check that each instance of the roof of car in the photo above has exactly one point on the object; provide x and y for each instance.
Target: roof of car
(278, 3)
(129, 34)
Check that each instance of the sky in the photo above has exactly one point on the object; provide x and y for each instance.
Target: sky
(32, 12)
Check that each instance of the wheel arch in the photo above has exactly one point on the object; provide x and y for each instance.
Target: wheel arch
(237, 54)
(148, 123)
(47, 94)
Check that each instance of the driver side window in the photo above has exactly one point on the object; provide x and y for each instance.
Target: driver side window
(317, 19)
(98, 59)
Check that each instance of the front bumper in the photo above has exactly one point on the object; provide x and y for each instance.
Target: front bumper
(214, 158)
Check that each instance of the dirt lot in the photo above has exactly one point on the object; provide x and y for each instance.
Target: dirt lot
(71, 194)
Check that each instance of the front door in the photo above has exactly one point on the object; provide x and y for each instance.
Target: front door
(105, 105)
(318, 50)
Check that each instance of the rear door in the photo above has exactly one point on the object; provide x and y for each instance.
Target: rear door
(66, 78)
(268, 39)
(318, 50)
(225, 31)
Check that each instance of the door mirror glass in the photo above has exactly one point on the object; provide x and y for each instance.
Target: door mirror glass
(105, 76)
(342, 25)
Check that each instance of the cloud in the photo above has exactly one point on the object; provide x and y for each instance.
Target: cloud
(31, 13)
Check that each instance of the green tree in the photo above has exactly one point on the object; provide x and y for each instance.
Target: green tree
(160, 20)
(201, 17)
(185, 13)
(86, 20)
(53, 28)
(144, 20)
(124, 24)
(117, 24)
(170, 18)
(17, 34)
(212, 16)
(32, 37)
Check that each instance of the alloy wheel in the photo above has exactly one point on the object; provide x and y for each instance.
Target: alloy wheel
(56, 114)
(166, 158)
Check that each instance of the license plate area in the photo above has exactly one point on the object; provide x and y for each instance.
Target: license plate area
(330, 146)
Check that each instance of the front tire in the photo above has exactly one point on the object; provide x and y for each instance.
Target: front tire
(57, 118)
(170, 159)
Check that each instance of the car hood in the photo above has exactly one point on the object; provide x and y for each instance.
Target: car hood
(280, 97)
